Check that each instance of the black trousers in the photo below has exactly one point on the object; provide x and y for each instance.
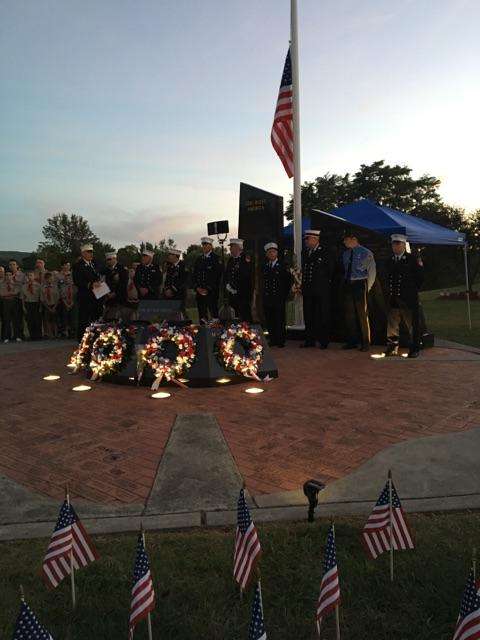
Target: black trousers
(11, 321)
(356, 312)
(33, 314)
(242, 307)
(316, 313)
(275, 317)
(206, 304)
(409, 315)
(20, 318)
(88, 312)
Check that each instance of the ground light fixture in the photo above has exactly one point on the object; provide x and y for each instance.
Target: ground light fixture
(377, 356)
(160, 395)
(82, 387)
(222, 380)
(254, 390)
(184, 380)
(51, 377)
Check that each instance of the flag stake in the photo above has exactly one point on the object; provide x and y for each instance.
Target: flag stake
(72, 568)
(22, 595)
(391, 522)
(474, 563)
(149, 617)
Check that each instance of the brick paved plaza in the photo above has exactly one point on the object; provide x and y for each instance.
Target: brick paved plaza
(326, 414)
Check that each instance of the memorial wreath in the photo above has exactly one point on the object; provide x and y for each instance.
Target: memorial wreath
(111, 350)
(246, 365)
(153, 354)
(80, 358)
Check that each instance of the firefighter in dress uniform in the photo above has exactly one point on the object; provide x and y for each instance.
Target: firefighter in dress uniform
(148, 277)
(317, 271)
(404, 279)
(116, 277)
(238, 281)
(86, 277)
(276, 285)
(207, 275)
(175, 285)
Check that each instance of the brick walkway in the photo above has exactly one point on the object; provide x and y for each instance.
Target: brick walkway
(326, 414)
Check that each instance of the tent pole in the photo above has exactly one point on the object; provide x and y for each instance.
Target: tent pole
(467, 284)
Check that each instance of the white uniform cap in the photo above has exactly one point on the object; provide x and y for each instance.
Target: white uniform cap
(146, 252)
(236, 241)
(111, 254)
(312, 232)
(175, 252)
(271, 245)
(206, 240)
(86, 247)
(398, 237)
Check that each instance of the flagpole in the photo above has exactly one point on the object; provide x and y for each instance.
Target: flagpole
(149, 616)
(474, 563)
(72, 568)
(297, 183)
(337, 606)
(391, 522)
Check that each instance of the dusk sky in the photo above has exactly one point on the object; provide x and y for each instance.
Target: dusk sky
(144, 115)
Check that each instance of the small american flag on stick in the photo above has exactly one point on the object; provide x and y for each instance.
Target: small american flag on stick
(329, 597)
(468, 623)
(27, 626)
(376, 532)
(282, 130)
(69, 546)
(256, 630)
(247, 545)
(143, 594)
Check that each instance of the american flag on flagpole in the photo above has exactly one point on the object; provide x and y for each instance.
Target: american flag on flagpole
(68, 536)
(329, 596)
(256, 630)
(247, 544)
(282, 130)
(468, 623)
(376, 532)
(27, 626)
(143, 595)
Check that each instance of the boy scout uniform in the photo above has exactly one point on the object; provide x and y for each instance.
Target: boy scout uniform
(11, 322)
(50, 297)
(33, 309)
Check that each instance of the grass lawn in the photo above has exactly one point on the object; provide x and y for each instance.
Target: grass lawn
(198, 600)
(448, 319)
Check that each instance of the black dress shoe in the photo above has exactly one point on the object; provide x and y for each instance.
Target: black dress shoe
(365, 348)
(349, 345)
(413, 353)
(307, 345)
(391, 350)
(323, 346)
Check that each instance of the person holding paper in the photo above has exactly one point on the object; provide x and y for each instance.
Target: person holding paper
(86, 277)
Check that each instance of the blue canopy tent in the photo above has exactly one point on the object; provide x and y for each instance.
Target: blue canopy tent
(385, 221)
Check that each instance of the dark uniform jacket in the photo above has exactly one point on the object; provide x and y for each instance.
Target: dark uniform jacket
(404, 279)
(276, 284)
(84, 275)
(317, 270)
(176, 280)
(117, 280)
(238, 274)
(207, 273)
(148, 277)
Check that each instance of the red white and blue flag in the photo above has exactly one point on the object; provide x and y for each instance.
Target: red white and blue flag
(247, 545)
(329, 597)
(143, 594)
(27, 626)
(376, 532)
(70, 545)
(256, 629)
(468, 623)
(282, 130)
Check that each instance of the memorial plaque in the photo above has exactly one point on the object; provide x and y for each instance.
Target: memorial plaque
(159, 310)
